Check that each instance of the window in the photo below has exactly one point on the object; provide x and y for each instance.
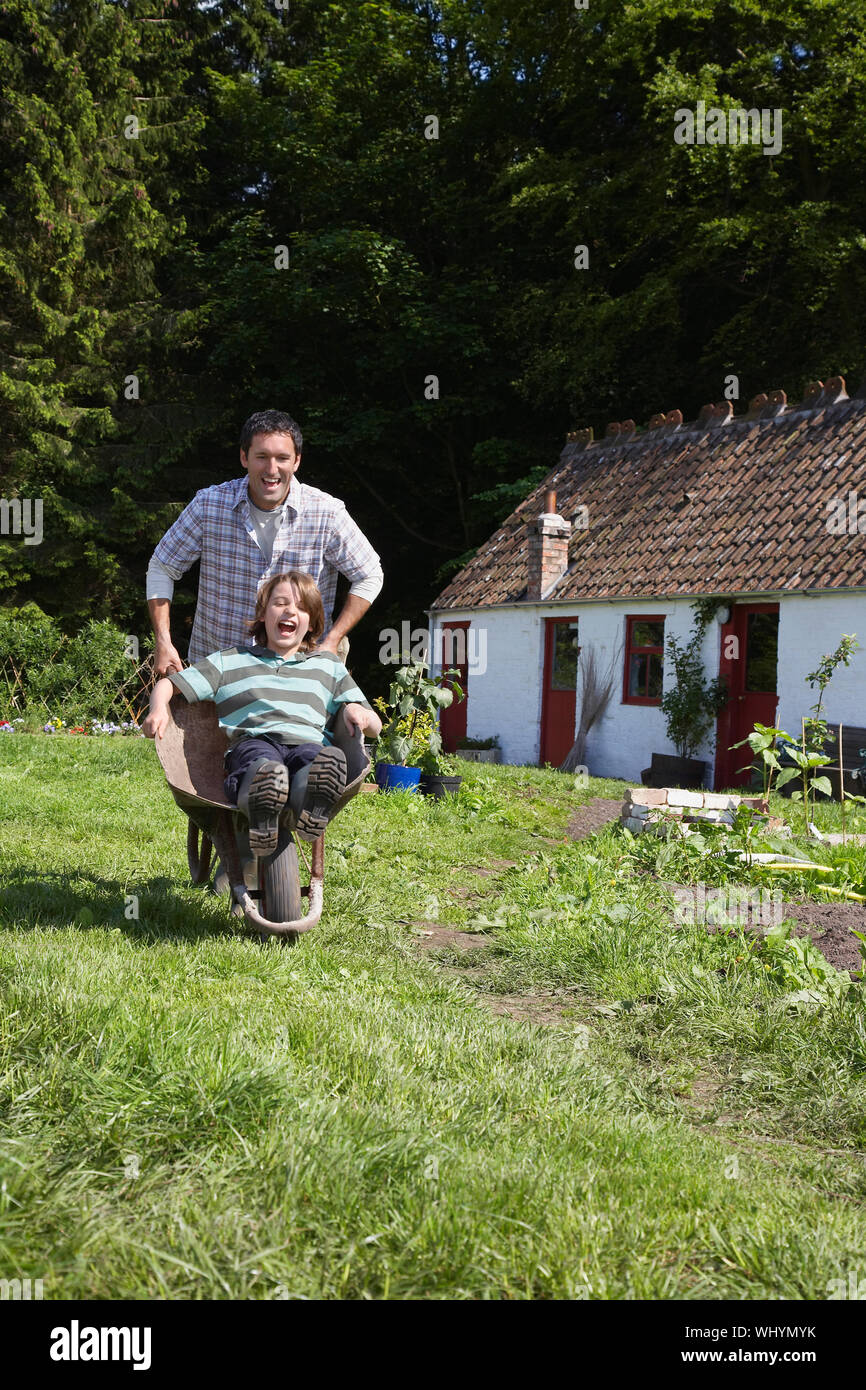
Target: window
(762, 649)
(644, 661)
(563, 666)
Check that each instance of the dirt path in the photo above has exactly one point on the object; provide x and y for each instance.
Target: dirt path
(829, 925)
(543, 1007)
(592, 817)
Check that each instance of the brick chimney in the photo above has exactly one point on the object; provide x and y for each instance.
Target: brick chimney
(547, 537)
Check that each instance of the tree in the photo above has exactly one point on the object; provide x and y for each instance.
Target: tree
(91, 117)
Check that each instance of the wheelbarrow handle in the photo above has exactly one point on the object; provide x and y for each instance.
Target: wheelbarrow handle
(255, 918)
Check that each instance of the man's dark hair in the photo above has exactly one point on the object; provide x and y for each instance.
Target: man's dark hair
(271, 422)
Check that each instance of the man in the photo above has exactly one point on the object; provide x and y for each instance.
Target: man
(250, 528)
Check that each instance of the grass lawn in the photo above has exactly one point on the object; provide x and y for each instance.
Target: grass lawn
(186, 1114)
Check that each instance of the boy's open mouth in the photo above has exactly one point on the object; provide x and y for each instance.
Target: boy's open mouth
(286, 626)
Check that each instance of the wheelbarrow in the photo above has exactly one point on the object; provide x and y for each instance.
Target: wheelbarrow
(265, 890)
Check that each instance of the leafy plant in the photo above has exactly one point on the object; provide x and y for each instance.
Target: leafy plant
(413, 697)
(807, 760)
(89, 675)
(763, 741)
(746, 828)
(417, 733)
(691, 706)
(795, 962)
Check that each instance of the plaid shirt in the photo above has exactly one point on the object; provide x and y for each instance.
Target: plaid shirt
(316, 536)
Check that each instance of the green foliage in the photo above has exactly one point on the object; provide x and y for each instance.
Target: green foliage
(762, 741)
(305, 127)
(799, 968)
(694, 701)
(766, 742)
(417, 737)
(413, 697)
(44, 673)
(86, 214)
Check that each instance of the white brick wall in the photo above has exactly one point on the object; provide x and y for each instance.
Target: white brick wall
(808, 628)
(506, 698)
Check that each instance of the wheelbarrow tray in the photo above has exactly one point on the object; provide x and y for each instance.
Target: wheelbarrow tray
(192, 752)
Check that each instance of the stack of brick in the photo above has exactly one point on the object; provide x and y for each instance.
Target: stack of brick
(646, 808)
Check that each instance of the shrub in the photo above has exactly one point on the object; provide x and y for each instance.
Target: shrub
(86, 676)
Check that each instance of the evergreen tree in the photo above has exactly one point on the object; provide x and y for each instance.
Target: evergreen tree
(91, 121)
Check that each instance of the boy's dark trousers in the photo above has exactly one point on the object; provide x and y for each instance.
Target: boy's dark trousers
(247, 751)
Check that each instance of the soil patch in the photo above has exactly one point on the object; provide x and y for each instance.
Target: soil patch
(546, 1008)
(592, 817)
(526, 1008)
(829, 926)
(496, 865)
(433, 937)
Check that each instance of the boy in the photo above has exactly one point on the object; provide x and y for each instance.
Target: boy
(273, 699)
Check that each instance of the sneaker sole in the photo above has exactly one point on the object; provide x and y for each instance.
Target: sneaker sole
(327, 782)
(267, 797)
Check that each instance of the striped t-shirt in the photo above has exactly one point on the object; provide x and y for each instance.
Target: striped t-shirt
(258, 692)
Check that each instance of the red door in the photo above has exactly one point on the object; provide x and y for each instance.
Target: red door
(452, 721)
(750, 645)
(559, 700)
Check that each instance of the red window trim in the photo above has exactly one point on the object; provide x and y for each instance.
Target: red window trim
(630, 620)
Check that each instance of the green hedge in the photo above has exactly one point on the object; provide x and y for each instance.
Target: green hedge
(45, 673)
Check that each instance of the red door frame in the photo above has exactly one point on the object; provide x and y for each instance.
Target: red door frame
(733, 669)
(550, 625)
(452, 721)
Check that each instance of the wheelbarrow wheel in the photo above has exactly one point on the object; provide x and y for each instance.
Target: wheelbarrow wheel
(279, 884)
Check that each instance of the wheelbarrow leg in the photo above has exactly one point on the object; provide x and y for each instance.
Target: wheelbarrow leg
(198, 854)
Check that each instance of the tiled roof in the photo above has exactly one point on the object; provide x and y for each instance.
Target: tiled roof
(724, 505)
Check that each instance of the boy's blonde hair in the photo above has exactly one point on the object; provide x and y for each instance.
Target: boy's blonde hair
(309, 599)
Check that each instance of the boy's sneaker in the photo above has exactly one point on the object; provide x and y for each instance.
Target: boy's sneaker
(262, 796)
(325, 784)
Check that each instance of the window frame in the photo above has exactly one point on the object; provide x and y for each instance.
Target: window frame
(636, 650)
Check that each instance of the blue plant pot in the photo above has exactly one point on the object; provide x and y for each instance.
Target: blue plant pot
(390, 777)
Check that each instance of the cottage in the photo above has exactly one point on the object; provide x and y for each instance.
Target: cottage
(743, 508)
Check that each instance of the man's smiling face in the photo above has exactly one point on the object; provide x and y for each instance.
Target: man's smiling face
(286, 623)
(271, 464)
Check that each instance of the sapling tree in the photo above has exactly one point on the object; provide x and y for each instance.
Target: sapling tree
(691, 706)
(815, 728)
